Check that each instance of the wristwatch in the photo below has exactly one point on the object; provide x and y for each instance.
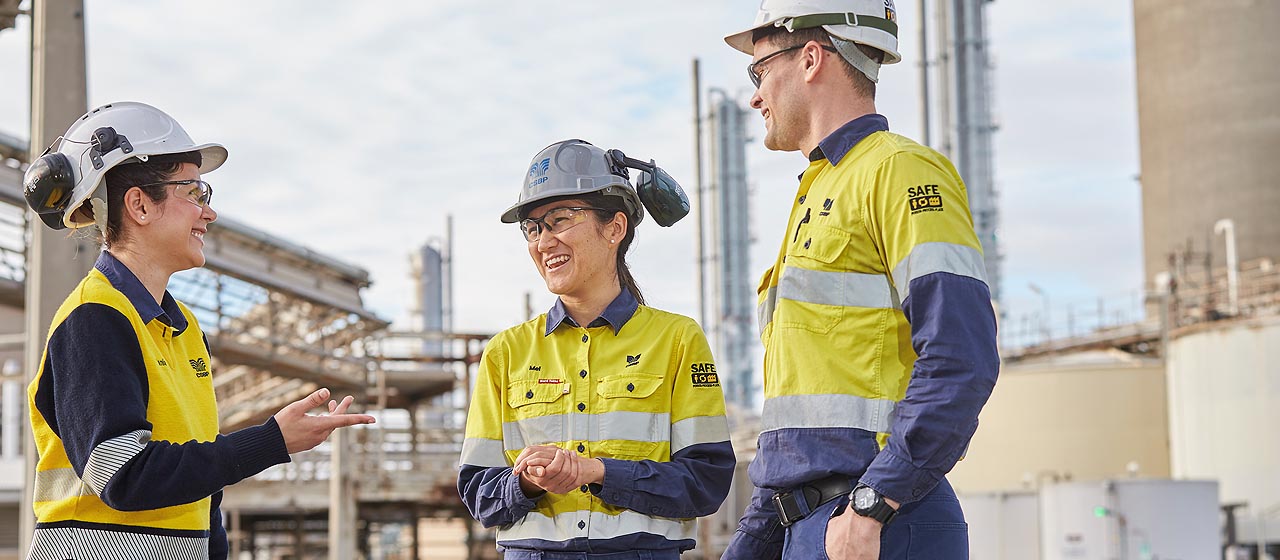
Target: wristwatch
(869, 503)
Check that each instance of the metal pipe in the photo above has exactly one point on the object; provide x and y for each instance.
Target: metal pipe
(697, 181)
(1227, 228)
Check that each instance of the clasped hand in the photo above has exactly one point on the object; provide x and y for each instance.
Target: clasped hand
(555, 470)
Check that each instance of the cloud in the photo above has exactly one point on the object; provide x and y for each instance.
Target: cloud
(356, 128)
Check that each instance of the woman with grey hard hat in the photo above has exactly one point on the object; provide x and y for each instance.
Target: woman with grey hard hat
(131, 463)
(597, 429)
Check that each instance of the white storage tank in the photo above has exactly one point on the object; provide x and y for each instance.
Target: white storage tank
(1224, 413)
(1131, 518)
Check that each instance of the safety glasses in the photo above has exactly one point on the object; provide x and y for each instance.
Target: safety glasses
(756, 69)
(194, 191)
(554, 221)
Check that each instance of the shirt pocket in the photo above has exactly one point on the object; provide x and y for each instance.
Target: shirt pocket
(538, 408)
(811, 288)
(635, 416)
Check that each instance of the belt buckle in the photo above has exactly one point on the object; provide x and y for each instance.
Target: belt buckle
(789, 510)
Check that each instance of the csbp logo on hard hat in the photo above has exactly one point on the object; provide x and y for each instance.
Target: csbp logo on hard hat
(538, 172)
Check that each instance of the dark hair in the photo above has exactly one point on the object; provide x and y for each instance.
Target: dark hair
(862, 85)
(611, 206)
(124, 177)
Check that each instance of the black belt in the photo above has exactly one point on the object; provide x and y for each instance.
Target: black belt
(794, 505)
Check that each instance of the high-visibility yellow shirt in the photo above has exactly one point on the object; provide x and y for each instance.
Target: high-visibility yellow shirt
(638, 389)
(877, 324)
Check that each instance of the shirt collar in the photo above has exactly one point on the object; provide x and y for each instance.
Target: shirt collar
(835, 146)
(123, 279)
(619, 311)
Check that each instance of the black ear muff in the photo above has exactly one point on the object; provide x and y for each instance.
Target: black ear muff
(104, 140)
(47, 187)
(662, 196)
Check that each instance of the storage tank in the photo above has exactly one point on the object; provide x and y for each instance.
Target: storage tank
(1208, 83)
(1082, 416)
(1224, 413)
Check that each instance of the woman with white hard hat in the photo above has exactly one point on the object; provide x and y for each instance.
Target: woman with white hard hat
(130, 460)
(597, 430)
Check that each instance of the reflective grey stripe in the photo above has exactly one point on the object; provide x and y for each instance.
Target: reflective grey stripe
(826, 411)
(110, 455)
(95, 544)
(599, 525)
(698, 429)
(633, 426)
(938, 256)
(483, 452)
(848, 289)
(59, 484)
(764, 311)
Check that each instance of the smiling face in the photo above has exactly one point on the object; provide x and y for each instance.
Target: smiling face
(777, 97)
(580, 259)
(172, 234)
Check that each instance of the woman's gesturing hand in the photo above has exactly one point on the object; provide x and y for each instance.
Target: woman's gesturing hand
(304, 431)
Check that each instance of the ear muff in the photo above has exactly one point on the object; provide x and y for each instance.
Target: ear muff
(662, 197)
(660, 194)
(47, 187)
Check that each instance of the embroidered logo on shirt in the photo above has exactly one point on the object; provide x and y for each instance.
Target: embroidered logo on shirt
(162, 363)
(924, 198)
(632, 360)
(535, 368)
(550, 381)
(202, 369)
(826, 208)
(704, 375)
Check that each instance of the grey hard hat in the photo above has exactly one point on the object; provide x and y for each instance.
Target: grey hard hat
(574, 167)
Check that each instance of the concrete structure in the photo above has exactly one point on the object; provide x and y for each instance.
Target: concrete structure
(733, 328)
(1207, 83)
(1224, 413)
(1086, 416)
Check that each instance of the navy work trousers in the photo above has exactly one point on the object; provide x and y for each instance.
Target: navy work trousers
(932, 528)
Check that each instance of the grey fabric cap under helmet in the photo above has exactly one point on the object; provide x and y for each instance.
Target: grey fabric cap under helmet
(573, 167)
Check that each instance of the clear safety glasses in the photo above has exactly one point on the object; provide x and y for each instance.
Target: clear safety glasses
(194, 191)
(554, 221)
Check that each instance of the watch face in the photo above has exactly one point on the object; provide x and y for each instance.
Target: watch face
(864, 498)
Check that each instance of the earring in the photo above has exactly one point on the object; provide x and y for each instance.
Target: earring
(611, 241)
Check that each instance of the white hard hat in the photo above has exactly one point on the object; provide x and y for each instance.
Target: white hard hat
(60, 182)
(873, 23)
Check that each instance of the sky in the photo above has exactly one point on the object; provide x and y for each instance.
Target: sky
(355, 129)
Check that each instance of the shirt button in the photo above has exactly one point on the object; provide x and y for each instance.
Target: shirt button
(631, 387)
(582, 407)
(582, 373)
(584, 488)
(582, 524)
(528, 395)
(582, 448)
(807, 242)
(584, 338)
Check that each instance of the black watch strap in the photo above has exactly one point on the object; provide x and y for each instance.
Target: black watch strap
(880, 510)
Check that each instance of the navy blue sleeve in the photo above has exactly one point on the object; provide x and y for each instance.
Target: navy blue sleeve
(760, 535)
(93, 394)
(217, 533)
(953, 331)
(493, 495)
(693, 484)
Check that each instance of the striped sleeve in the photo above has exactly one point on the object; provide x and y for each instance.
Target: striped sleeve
(696, 480)
(920, 216)
(488, 489)
(93, 395)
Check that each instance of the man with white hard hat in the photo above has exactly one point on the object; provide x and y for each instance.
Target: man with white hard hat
(876, 318)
